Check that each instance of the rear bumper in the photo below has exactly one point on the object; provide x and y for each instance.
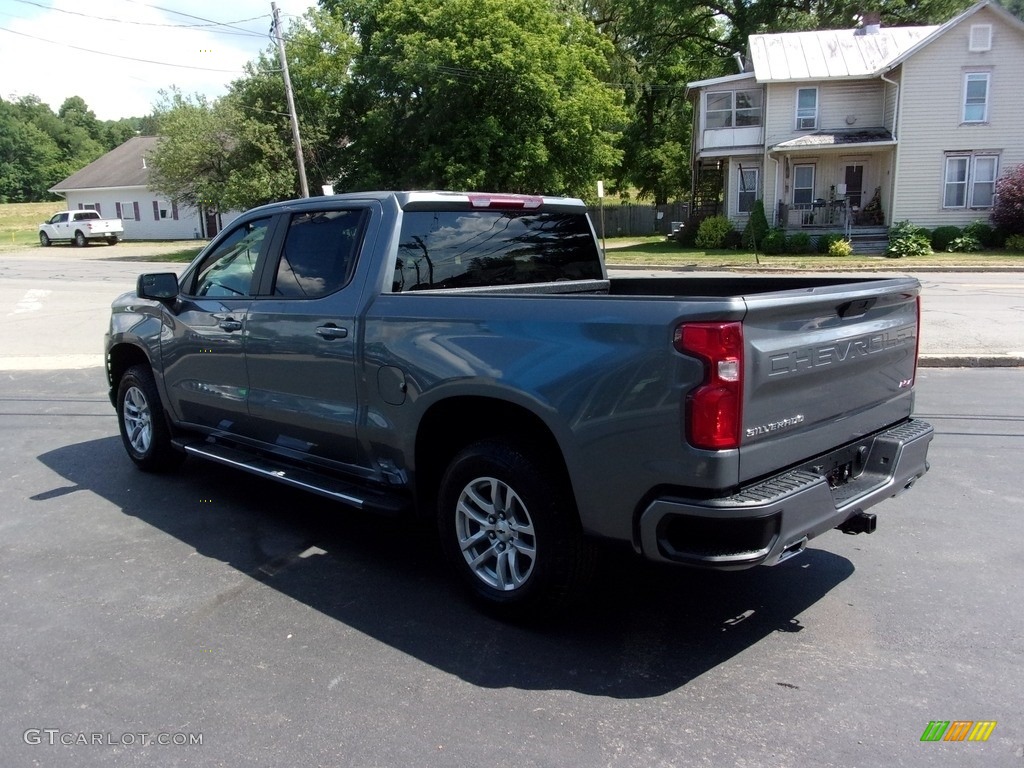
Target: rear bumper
(775, 518)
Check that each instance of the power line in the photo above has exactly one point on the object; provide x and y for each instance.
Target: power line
(186, 27)
(197, 18)
(118, 56)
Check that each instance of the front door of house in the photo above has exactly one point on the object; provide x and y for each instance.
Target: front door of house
(854, 179)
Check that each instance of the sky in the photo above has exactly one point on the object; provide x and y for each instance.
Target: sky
(95, 49)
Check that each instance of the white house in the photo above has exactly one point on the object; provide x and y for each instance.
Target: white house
(116, 185)
(928, 117)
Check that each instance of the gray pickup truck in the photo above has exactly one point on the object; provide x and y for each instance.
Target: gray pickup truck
(465, 357)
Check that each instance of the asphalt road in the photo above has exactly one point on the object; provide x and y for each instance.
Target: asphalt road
(279, 630)
(54, 306)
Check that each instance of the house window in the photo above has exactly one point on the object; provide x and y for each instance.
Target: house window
(127, 211)
(981, 37)
(733, 109)
(806, 109)
(746, 189)
(976, 97)
(970, 181)
(719, 110)
(803, 184)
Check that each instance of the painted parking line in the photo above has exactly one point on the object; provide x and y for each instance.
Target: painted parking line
(32, 301)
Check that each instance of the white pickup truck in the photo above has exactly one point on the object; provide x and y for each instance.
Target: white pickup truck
(79, 227)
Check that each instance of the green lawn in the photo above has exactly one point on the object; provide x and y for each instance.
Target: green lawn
(19, 222)
(657, 251)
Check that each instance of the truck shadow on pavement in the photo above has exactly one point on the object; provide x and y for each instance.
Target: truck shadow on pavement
(645, 630)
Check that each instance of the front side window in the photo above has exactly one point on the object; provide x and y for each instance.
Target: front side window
(227, 270)
(803, 184)
(747, 190)
(976, 97)
(806, 109)
(60, 218)
(319, 253)
(469, 249)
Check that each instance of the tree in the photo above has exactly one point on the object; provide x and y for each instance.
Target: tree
(1008, 209)
(477, 94)
(320, 46)
(212, 157)
(28, 157)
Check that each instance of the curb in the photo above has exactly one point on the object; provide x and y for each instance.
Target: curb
(970, 361)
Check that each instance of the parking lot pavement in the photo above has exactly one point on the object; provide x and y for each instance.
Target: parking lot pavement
(267, 627)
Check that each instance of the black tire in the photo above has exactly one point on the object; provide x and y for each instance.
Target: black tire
(140, 417)
(112, 240)
(44, 240)
(509, 529)
(80, 241)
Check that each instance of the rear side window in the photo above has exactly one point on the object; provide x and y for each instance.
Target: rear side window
(469, 249)
(87, 216)
(319, 253)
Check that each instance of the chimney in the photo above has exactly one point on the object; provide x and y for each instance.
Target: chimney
(871, 22)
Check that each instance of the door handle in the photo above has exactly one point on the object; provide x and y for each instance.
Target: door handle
(227, 322)
(331, 331)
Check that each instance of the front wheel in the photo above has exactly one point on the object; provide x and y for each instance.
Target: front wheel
(44, 240)
(508, 527)
(144, 431)
(80, 241)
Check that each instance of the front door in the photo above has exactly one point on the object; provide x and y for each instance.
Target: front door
(854, 179)
(203, 347)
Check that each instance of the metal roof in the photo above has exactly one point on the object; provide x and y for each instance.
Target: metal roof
(123, 166)
(833, 53)
(839, 139)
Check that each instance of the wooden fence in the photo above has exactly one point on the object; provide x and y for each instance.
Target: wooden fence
(637, 220)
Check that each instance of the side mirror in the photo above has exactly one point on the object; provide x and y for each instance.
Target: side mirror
(161, 286)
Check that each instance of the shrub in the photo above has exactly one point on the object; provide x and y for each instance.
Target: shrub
(905, 239)
(757, 226)
(687, 236)
(982, 232)
(774, 242)
(712, 232)
(798, 242)
(943, 236)
(840, 248)
(1008, 208)
(824, 242)
(1015, 243)
(733, 240)
(964, 244)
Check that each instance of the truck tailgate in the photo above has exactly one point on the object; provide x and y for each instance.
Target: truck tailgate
(824, 367)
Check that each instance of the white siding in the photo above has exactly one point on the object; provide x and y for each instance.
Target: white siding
(930, 124)
(148, 226)
(844, 104)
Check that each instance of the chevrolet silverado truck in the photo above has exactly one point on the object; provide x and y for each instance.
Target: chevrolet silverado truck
(79, 227)
(466, 358)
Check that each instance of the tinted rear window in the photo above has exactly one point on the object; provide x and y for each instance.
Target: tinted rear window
(469, 249)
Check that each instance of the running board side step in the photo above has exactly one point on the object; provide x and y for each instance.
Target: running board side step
(304, 479)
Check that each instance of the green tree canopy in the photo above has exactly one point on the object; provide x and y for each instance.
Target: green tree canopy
(478, 94)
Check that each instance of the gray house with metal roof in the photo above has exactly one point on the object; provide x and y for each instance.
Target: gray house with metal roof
(117, 185)
(854, 128)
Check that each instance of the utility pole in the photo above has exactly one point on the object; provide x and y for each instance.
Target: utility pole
(303, 184)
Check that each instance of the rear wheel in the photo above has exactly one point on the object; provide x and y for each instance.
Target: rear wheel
(44, 240)
(140, 416)
(508, 526)
(80, 240)
(112, 240)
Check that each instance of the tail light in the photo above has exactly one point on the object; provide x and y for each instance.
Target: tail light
(526, 202)
(917, 341)
(714, 410)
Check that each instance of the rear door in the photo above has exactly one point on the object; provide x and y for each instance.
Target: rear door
(825, 366)
(302, 337)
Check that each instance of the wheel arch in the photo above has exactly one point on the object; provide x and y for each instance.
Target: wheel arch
(450, 425)
(120, 358)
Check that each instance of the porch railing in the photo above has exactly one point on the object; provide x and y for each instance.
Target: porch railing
(820, 213)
